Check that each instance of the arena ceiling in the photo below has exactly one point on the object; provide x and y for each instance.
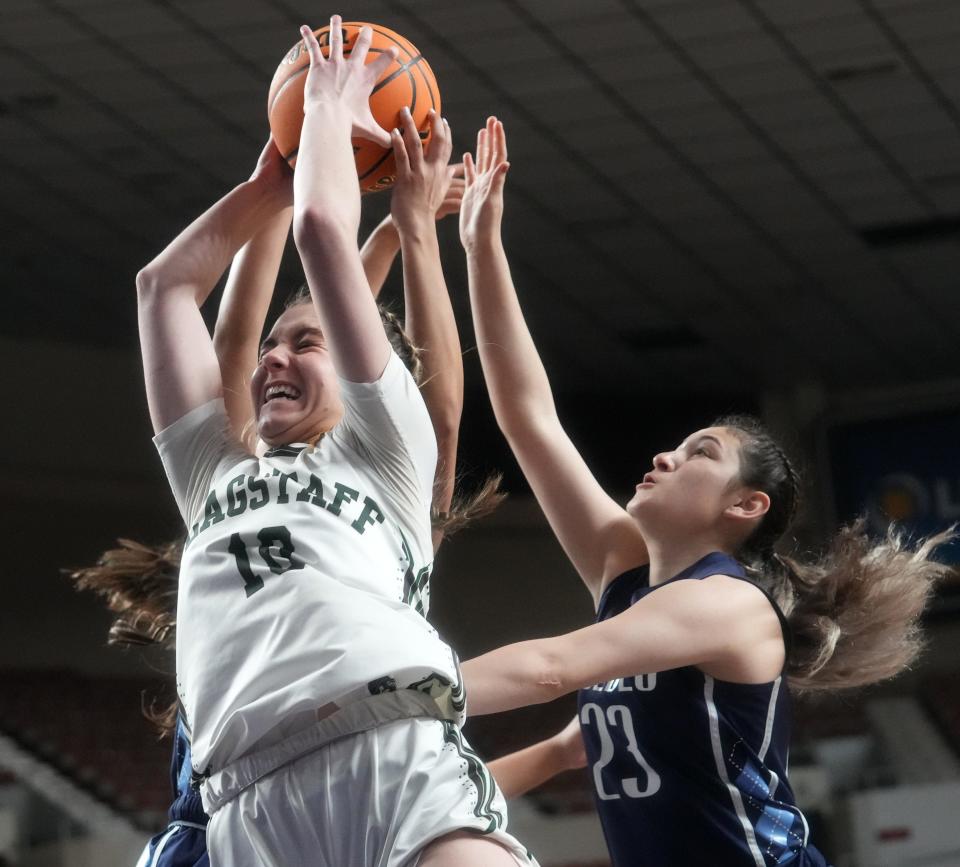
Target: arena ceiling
(716, 195)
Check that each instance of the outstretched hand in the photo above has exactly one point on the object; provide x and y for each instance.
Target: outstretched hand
(482, 209)
(346, 83)
(423, 175)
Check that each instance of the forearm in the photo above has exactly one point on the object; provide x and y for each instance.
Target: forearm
(430, 324)
(195, 260)
(516, 380)
(378, 253)
(325, 221)
(528, 672)
(519, 772)
(243, 310)
(250, 285)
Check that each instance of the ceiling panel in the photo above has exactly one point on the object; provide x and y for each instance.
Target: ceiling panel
(697, 167)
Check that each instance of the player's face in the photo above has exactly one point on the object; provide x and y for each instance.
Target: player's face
(689, 488)
(295, 391)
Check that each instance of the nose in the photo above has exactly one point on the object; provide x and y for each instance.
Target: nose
(275, 358)
(664, 462)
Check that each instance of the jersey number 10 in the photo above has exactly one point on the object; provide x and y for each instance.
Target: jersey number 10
(268, 537)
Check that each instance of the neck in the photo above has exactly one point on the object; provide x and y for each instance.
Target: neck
(669, 558)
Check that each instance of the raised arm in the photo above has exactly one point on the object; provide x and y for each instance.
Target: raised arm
(423, 181)
(597, 534)
(327, 200)
(180, 366)
(383, 243)
(722, 625)
(243, 310)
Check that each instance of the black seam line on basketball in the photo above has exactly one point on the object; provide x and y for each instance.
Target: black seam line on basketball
(303, 70)
(389, 151)
(405, 67)
(433, 102)
(477, 774)
(413, 105)
(746, 371)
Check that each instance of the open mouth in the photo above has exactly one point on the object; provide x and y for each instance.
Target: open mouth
(281, 391)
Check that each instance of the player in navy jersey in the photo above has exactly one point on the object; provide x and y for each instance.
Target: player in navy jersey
(684, 680)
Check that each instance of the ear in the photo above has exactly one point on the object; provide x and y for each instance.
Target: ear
(751, 504)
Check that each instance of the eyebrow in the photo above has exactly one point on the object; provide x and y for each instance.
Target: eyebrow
(299, 334)
(704, 437)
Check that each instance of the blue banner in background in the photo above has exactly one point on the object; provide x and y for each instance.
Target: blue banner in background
(905, 469)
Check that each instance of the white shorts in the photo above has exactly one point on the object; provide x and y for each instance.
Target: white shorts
(354, 796)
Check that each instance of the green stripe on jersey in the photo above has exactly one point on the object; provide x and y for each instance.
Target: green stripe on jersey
(481, 778)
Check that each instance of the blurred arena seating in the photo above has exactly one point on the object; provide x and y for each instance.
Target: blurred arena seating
(92, 731)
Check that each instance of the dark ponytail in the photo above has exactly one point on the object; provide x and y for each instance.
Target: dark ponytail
(854, 612)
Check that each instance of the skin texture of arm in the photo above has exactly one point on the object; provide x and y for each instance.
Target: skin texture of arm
(423, 181)
(243, 310)
(597, 534)
(327, 201)
(181, 370)
(722, 625)
(519, 772)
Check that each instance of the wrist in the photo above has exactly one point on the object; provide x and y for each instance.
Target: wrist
(387, 228)
(416, 229)
(483, 245)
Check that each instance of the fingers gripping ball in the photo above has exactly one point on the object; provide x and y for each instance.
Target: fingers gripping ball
(407, 81)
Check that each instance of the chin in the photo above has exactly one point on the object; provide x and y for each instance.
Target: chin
(275, 432)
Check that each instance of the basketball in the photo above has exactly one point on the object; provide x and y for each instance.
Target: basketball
(407, 81)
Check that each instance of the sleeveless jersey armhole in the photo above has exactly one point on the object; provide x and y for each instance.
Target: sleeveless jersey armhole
(784, 624)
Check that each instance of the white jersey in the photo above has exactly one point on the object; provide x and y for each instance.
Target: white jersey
(304, 578)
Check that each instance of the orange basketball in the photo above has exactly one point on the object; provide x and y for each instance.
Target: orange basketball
(407, 81)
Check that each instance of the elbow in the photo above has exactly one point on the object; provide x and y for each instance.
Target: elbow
(313, 225)
(550, 679)
(148, 284)
(446, 426)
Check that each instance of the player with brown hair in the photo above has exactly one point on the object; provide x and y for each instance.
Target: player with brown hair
(303, 663)
(701, 625)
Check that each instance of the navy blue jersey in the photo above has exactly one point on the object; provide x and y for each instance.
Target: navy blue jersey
(689, 769)
(184, 842)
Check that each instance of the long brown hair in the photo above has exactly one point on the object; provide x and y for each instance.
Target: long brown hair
(854, 612)
(139, 584)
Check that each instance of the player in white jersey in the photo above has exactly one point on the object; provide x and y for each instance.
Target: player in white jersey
(323, 706)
